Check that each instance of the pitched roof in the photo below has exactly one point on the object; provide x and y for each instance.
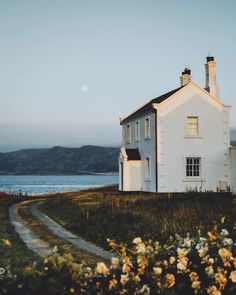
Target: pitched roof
(148, 108)
(133, 154)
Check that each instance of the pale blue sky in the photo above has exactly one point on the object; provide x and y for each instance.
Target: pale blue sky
(70, 69)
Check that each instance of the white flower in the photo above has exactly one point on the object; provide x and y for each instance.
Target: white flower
(137, 241)
(2, 271)
(141, 248)
(227, 242)
(224, 233)
(145, 290)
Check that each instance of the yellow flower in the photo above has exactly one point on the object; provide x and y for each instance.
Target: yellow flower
(212, 236)
(114, 262)
(193, 276)
(46, 268)
(225, 255)
(72, 290)
(124, 279)
(233, 276)
(169, 280)
(102, 268)
(212, 290)
(221, 280)
(112, 283)
(6, 242)
(172, 260)
(157, 271)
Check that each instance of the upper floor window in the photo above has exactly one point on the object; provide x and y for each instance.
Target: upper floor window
(193, 167)
(147, 128)
(137, 130)
(192, 126)
(128, 134)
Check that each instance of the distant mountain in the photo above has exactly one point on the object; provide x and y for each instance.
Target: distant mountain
(60, 160)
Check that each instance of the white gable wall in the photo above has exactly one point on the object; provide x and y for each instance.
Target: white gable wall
(174, 145)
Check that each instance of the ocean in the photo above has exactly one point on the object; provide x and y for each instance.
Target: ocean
(43, 184)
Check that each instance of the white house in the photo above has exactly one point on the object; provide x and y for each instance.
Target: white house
(178, 141)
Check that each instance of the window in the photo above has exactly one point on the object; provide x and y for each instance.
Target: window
(192, 126)
(128, 134)
(137, 130)
(147, 168)
(193, 167)
(147, 128)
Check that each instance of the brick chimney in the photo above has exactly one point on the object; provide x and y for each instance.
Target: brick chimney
(210, 68)
(186, 77)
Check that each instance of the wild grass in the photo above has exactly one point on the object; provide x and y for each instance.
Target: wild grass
(106, 214)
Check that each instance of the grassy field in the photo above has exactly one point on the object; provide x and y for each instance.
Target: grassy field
(100, 214)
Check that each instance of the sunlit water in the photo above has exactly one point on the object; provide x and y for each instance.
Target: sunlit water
(38, 184)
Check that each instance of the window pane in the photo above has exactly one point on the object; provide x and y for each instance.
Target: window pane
(192, 166)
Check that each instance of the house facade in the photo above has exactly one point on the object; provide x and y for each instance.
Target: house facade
(178, 141)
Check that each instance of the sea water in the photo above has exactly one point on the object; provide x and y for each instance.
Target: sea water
(43, 184)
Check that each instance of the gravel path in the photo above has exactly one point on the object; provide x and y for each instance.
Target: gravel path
(35, 244)
(41, 247)
(58, 230)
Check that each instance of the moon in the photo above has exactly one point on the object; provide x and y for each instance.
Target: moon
(84, 88)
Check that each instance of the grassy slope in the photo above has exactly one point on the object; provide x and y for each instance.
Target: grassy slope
(100, 214)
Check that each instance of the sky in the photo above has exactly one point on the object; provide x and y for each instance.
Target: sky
(70, 69)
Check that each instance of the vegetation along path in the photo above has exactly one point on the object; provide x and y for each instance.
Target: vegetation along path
(35, 244)
(41, 247)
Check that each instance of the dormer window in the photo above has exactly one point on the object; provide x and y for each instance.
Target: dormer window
(147, 128)
(192, 126)
(128, 133)
(137, 130)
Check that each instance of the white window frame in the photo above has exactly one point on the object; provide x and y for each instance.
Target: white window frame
(192, 126)
(137, 130)
(128, 133)
(193, 167)
(147, 127)
(147, 168)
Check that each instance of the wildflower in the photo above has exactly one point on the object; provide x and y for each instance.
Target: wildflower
(169, 280)
(137, 241)
(124, 279)
(112, 283)
(144, 290)
(196, 285)
(225, 255)
(209, 270)
(141, 248)
(102, 268)
(211, 236)
(227, 242)
(114, 262)
(157, 271)
(233, 276)
(224, 233)
(172, 260)
(72, 290)
(212, 290)
(6, 242)
(2, 271)
(193, 276)
(127, 264)
(221, 280)
(46, 268)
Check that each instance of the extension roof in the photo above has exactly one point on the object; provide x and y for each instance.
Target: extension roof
(133, 154)
(148, 108)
